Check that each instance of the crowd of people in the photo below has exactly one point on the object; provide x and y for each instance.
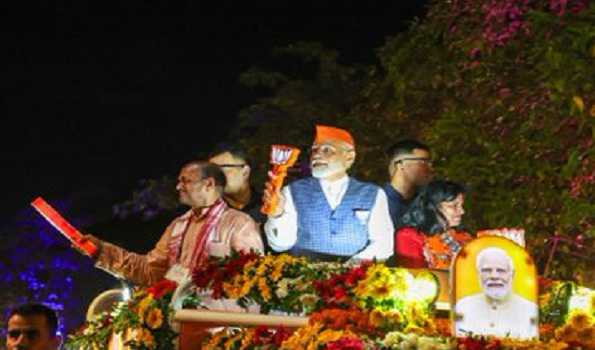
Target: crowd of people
(411, 220)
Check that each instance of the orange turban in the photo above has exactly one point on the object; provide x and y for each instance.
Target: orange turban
(325, 133)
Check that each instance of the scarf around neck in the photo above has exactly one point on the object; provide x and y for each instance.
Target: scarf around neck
(199, 255)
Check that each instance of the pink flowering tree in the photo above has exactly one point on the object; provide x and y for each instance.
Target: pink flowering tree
(504, 92)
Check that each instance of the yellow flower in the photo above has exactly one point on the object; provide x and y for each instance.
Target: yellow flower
(330, 335)
(277, 271)
(138, 293)
(154, 319)
(380, 291)
(230, 343)
(144, 305)
(377, 318)
(393, 316)
(239, 287)
(416, 314)
(246, 287)
(261, 270)
(578, 101)
(142, 336)
(247, 339)
(249, 266)
(216, 339)
(304, 338)
(413, 329)
(361, 290)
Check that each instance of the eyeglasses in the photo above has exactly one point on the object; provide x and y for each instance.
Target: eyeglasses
(421, 159)
(232, 165)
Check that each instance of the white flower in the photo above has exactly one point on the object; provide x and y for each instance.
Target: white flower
(282, 290)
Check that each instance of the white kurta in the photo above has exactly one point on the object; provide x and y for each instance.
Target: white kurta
(514, 317)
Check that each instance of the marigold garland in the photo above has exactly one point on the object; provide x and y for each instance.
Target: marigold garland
(438, 253)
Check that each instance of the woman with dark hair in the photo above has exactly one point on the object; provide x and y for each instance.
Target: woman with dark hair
(427, 233)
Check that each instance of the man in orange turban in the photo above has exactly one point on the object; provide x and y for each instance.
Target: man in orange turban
(331, 215)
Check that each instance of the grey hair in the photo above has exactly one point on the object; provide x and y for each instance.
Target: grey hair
(493, 250)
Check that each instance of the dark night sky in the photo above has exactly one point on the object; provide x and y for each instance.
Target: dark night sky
(102, 96)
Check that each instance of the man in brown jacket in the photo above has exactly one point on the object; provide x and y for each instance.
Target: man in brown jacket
(210, 227)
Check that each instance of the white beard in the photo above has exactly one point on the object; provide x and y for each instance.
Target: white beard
(324, 171)
(498, 293)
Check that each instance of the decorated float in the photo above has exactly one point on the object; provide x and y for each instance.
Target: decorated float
(247, 301)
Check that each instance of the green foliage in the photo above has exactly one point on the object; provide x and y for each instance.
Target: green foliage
(507, 108)
(517, 132)
(554, 309)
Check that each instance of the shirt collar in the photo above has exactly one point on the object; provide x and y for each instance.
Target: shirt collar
(342, 182)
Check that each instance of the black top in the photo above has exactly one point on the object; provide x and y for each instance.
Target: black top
(397, 205)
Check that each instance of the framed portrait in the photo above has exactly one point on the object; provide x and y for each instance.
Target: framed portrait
(495, 290)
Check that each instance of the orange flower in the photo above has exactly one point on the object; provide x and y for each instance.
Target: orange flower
(546, 330)
(586, 335)
(154, 318)
(579, 320)
(144, 305)
(265, 291)
(376, 318)
(565, 333)
(443, 326)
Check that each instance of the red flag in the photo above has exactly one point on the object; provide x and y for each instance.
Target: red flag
(62, 225)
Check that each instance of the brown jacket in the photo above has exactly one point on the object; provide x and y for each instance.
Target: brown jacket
(235, 230)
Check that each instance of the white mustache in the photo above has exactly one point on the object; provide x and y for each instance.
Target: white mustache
(495, 284)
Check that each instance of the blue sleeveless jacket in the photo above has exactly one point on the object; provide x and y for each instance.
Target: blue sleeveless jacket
(321, 230)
